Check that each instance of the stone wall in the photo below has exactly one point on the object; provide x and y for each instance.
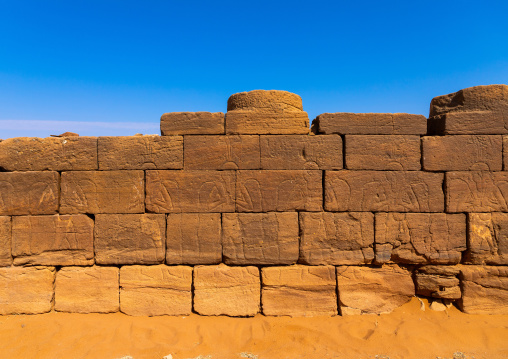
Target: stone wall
(250, 212)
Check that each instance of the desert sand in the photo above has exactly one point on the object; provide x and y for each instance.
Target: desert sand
(407, 332)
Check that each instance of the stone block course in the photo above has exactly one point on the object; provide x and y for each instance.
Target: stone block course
(5, 241)
(192, 123)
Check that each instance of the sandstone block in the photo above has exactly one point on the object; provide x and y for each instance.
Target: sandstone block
(299, 291)
(265, 191)
(488, 238)
(26, 290)
(371, 124)
(87, 290)
(223, 290)
(5, 241)
(438, 282)
(462, 153)
(193, 238)
(130, 238)
(102, 192)
(505, 152)
(364, 290)
(52, 153)
(192, 123)
(57, 240)
(29, 192)
(190, 191)
(377, 191)
(140, 152)
(230, 152)
(336, 238)
(272, 100)
(260, 238)
(469, 123)
(476, 191)
(301, 152)
(417, 238)
(383, 152)
(484, 290)
(156, 290)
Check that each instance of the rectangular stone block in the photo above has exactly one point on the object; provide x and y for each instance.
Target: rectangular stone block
(484, 290)
(371, 124)
(266, 191)
(301, 152)
(246, 122)
(260, 238)
(223, 290)
(58, 240)
(299, 291)
(26, 290)
(476, 191)
(192, 123)
(488, 238)
(462, 153)
(156, 290)
(336, 238)
(140, 152)
(420, 238)
(383, 152)
(52, 153)
(231, 152)
(364, 290)
(190, 191)
(5, 241)
(194, 238)
(505, 153)
(130, 238)
(87, 290)
(102, 192)
(29, 193)
(376, 191)
(438, 282)
(469, 123)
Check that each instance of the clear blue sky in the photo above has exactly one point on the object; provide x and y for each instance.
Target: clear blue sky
(113, 67)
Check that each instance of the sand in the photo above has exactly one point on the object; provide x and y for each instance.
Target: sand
(408, 332)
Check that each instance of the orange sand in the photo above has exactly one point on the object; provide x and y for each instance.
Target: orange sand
(408, 332)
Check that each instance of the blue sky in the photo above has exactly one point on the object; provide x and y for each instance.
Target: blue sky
(113, 67)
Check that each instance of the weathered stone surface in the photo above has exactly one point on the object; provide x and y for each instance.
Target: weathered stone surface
(102, 192)
(87, 290)
(29, 192)
(229, 152)
(190, 191)
(193, 238)
(156, 290)
(462, 153)
(417, 238)
(484, 290)
(364, 290)
(301, 152)
(469, 123)
(438, 282)
(388, 191)
(140, 152)
(192, 123)
(488, 238)
(260, 238)
(130, 238)
(299, 291)
(505, 152)
(5, 241)
(54, 154)
(265, 191)
(266, 112)
(345, 123)
(476, 191)
(336, 238)
(58, 240)
(223, 290)
(383, 152)
(26, 290)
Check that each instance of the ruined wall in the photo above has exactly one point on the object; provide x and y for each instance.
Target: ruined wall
(249, 212)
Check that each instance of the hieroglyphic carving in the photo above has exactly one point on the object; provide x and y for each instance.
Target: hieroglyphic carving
(488, 238)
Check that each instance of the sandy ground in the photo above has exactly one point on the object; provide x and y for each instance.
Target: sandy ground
(408, 332)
